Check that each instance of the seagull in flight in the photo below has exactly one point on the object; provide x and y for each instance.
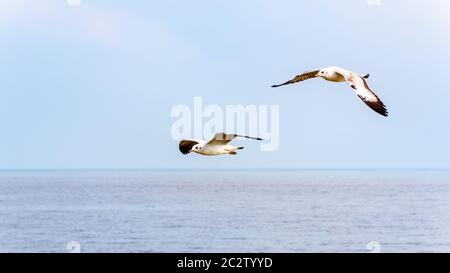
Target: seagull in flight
(357, 82)
(216, 146)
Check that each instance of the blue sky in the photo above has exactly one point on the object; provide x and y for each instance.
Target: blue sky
(92, 86)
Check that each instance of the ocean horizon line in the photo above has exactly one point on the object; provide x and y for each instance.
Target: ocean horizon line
(215, 169)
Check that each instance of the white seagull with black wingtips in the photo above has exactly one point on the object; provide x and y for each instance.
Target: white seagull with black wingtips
(216, 146)
(357, 82)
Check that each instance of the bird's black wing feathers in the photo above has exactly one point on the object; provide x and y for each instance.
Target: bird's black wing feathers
(378, 106)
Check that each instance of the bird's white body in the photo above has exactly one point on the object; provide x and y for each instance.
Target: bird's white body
(205, 149)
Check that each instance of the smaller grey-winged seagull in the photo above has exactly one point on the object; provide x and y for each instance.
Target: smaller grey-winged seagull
(216, 146)
(357, 82)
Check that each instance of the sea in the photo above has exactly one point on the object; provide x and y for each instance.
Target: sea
(91, 211)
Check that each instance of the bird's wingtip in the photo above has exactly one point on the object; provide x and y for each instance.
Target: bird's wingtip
(384, 113)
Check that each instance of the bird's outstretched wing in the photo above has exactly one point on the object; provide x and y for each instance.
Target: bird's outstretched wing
(305, 76)
(223, 139)
(366, 95)
(185, 146)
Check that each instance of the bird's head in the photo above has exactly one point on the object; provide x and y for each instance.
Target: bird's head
(323, 72)
(196, 148)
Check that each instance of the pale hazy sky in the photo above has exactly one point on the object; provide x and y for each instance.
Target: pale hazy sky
(92, 86)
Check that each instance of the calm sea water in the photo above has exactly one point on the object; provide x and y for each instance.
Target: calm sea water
(228, 211)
